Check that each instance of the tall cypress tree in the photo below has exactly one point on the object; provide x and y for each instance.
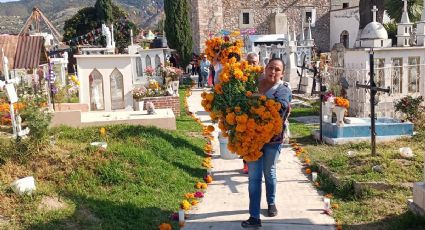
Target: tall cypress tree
(104, 11)
(177, 28)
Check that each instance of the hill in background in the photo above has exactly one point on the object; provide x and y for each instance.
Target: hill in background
(145, 13)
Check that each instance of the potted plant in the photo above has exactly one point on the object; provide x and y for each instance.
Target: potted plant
(341, 106)
(172, 78)
(138, 94)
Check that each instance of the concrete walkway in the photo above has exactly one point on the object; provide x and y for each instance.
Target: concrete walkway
(226, 201)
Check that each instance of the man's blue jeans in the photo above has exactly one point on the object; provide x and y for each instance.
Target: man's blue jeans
(265, 164)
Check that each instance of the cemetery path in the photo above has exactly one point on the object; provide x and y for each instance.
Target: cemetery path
(226, 201)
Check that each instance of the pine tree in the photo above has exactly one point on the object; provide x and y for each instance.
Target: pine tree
(178, 29)
(104, 11)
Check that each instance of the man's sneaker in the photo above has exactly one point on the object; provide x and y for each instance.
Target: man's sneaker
(272, 210)
(245, 168)
(251, 223)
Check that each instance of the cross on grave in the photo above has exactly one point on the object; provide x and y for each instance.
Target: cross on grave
(321, 93)
(373, 91)
(374, 10)
(303, 67)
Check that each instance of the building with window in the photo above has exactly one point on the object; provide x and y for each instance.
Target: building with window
(400, 67)
(266, 17)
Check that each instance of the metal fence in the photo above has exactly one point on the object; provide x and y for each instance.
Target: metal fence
(402, 79)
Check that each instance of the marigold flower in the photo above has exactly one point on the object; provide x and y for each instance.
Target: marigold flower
(248, 93)
(194, 202)
(230, 118)
(189, 195)
(208, 179)
(185, 205)
(165, 226)
(210, 128)
(210, 96)
(308, 171)
(335, 206)
(102, 132)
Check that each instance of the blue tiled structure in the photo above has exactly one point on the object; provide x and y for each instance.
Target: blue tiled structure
(384, 127)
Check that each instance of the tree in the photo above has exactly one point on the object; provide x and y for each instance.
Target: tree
(178, 30)
(87, 19)
(395, 9)
(104, 11)
(81, 23)
(391, 28)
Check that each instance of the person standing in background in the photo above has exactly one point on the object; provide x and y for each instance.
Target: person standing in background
(205, 70)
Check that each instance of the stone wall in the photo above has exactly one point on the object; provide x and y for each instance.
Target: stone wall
(205, 16)
(227, 13)
(172, 102)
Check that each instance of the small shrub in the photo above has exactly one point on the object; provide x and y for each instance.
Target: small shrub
(338, 161)
(409, 107)
(38, 121)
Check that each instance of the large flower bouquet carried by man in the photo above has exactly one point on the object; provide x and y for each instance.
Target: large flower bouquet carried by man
(248, 120)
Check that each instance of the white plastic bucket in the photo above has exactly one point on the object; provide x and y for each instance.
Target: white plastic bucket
(224, 152)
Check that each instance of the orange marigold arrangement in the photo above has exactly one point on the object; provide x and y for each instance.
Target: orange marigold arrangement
(248, 121)
(342, 102)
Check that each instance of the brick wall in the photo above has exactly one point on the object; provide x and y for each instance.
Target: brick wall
(165, 102)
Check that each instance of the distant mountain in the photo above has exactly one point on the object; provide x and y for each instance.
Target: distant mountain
(13, 15)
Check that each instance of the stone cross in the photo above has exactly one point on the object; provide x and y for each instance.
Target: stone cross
(5, 67)
(374, 10)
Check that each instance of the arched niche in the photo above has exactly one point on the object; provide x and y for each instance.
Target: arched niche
(97, 100)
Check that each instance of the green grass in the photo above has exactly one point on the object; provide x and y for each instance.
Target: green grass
(300, 112)
(136, 184)
(372, 209)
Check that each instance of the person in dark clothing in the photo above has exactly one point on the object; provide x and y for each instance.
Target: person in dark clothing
(173, 60)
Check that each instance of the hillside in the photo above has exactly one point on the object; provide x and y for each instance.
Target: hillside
(145, 13)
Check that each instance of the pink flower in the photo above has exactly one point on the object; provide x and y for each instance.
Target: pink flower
(149, 71)
(199, 194)
(174, 216)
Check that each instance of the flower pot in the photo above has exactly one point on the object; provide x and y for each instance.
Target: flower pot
(340, 113)
(138, 105)
(327, 111)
